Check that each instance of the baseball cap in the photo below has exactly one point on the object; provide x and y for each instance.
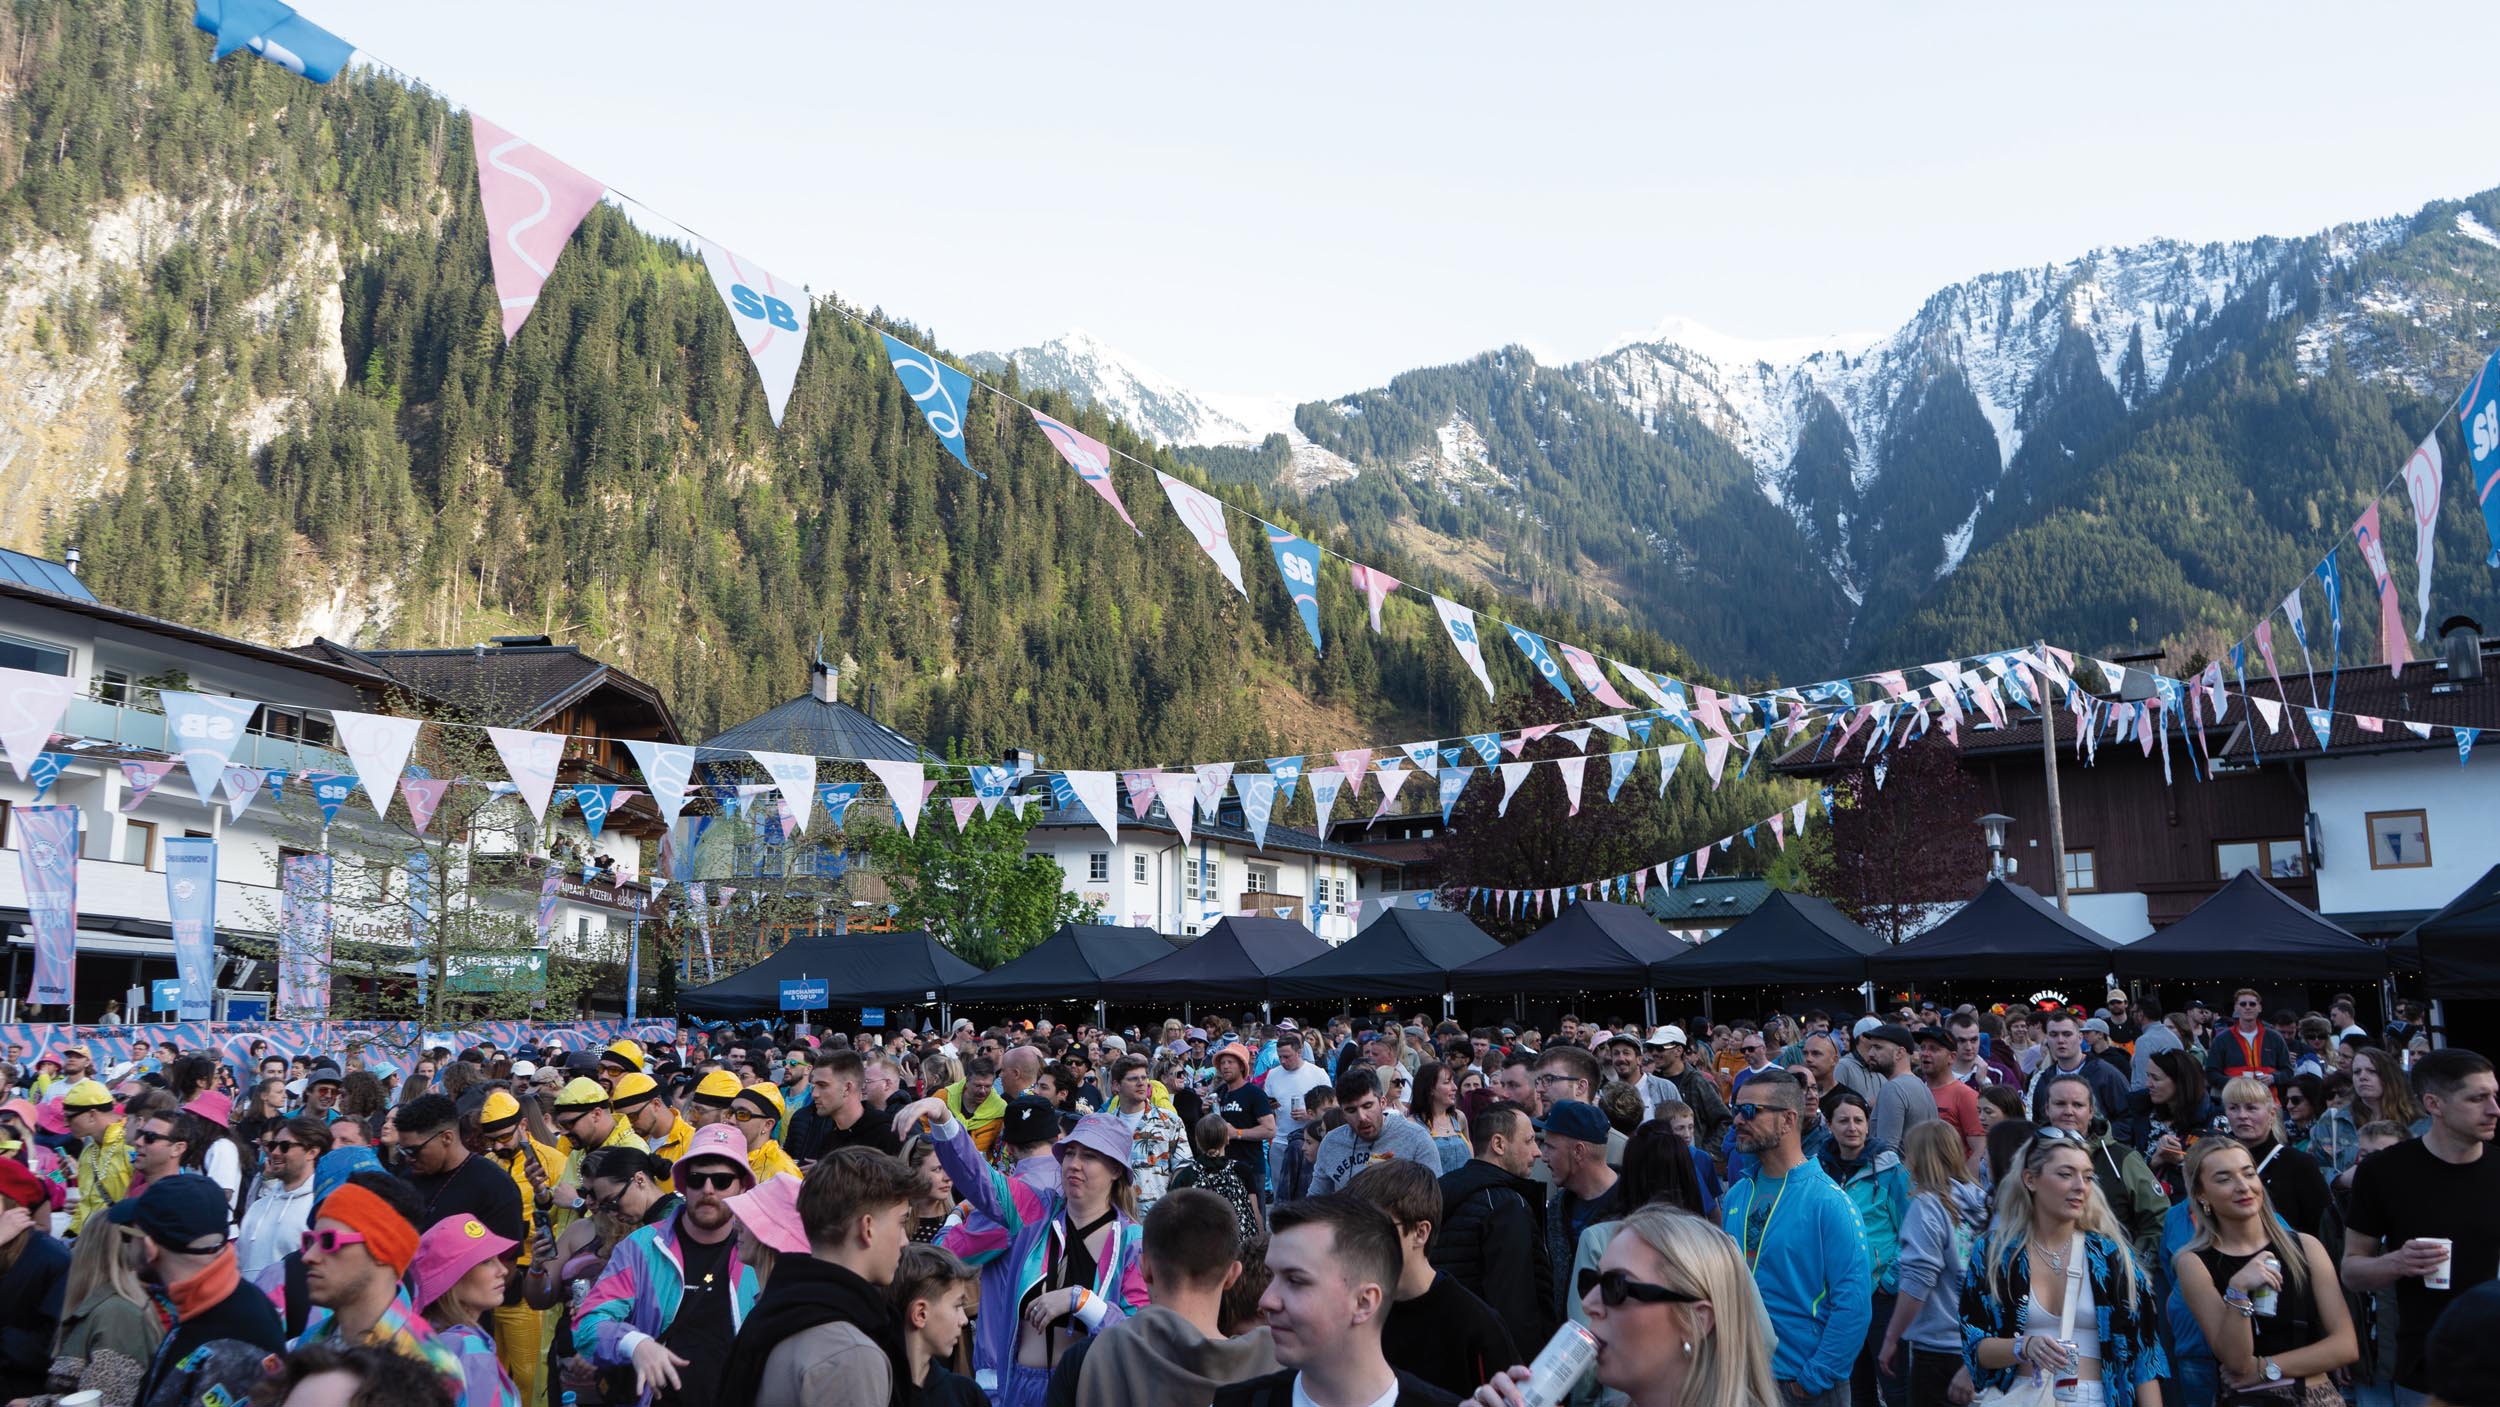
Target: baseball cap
(1668, 1035)
(1867, 1024)
(323, 1073)
(2096, 1024)
(1030, 1119)
(1621, 1038)
(523, 1069)
(1888, 1031)
(177, 1213)
(1935, 1035)
(1569, 1118)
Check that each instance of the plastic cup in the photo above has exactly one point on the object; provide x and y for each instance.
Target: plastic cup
(2438, 1278)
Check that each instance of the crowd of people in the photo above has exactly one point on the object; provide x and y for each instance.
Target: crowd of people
(2214, 1208)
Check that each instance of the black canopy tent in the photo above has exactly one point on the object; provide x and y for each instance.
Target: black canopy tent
(1403, 953)
(1792, 940)
(1594, 946)
(2457, 950)
(858, 969)
(1231, 962)
(1069, 965)
(2250, 927)
(2004, 934)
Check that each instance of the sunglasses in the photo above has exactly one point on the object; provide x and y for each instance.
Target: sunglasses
(1746, 1113)
(281, 1145)
(711, 1181)
(151, 1136)
(330, 1242)
(569, 1118)
(1614, 1287)
(2054, 1134)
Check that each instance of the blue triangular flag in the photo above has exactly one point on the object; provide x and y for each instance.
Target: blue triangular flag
(1641, 724)
(594, 801)
(1488, 747)
(1297, 561)
(2465, 743)
(1622, 762)
(1453, 781)
(330, 791)
(1288, 774)
(2321, 722)
(46, 771)
(942, 393)
(1540, 659)
(1675, 871)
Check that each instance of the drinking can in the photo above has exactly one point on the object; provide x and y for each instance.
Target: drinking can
(1566, 1358)
(2263, 1302)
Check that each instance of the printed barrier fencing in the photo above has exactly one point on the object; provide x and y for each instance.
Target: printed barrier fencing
(399, 1040)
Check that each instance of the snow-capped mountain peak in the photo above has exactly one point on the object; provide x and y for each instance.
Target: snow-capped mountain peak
(1154, 405)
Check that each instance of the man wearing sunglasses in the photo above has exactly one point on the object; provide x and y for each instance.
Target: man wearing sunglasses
(356, 1254)
(452, 1181)
(183, 1251)
(675, 1292)
(282, 1199)
(582, 1115)
(1800, 1237)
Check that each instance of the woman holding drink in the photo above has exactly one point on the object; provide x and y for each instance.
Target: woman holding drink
(2264, 1294)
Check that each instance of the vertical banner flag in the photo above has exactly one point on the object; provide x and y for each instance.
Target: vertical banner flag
(550, 887)
(1584, 665)
(1297, 562)
(1258, 803)
(31, 706)
(943, 394)
(530, 758)
(2392, 649)
(771, 318)
(533, 203)
(47, 863)
(304, 936)
(1453, 781)
(2480, 417)
(667, 769)
(2422, 478)
(191, 910)
(1325, 784)
(903, 787)
(1098, 793)
(1540, 659)
(1091, 459)
(203, 730)
(1376, 585)
(1203, 514)
(377, 747)
(1460, 622)
(795, 775)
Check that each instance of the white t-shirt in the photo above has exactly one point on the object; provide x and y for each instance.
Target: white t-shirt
(1287, 1087)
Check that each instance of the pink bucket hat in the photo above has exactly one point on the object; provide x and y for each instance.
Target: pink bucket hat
(770, 1213)
(449, 1249)
(1100, 1133)
(718, 1141)
(214, 1105)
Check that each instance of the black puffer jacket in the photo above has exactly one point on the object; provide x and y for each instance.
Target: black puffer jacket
(1492, 1240)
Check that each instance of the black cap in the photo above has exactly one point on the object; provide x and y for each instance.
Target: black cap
(322, 1073)
(1894, 1032)
(1030, 1120)
(1935, 1035)
(178, 1213)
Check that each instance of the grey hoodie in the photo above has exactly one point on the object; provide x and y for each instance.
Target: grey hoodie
(1342, 1155)
(1932, 1260)
(1155, 1357)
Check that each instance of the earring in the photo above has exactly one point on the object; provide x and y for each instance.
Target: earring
(1688, 1348)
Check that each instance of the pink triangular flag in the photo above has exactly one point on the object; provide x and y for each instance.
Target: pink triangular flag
(1375, 586)
(963, 807)
(424, 796)
(532, 204)
(2368, 724)
(1515, 743)
(142, 777)
(1779, 827)
(1574, 770)
(1701, 862)
(1355, 763)
(1141, 791)
(1091, 459)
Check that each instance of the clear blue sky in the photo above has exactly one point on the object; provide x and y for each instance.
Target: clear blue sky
(1301, 199)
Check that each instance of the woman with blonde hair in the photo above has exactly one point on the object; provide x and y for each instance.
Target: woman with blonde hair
(1948, 1209)
(1676, 1316)
(2264, 1293)
(2294, 1183)
(2052, 1237)
(109, 1331)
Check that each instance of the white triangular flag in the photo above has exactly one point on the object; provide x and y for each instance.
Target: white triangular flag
(1513, 773)
(2270, 710)
(905, 786)
(667, 769)
(1178, 793)
(1574, 770)
(1669, 758)
(377, 747)
(531, 758)
(1099, 794)
(31, 706)
(796, 776)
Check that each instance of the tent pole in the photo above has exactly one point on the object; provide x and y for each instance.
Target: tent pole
(1649, 1006)
(1101, 1017)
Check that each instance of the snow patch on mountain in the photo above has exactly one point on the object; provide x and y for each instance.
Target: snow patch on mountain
(1957, 542)
(1152, 404)
(1459, 461)
(2476, 230)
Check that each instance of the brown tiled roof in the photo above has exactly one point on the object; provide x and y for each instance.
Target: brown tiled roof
(506, 685)
(2421, 694)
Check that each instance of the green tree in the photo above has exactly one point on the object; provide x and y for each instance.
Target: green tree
(976, 890)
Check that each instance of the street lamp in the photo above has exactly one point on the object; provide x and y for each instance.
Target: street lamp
(1992, 829)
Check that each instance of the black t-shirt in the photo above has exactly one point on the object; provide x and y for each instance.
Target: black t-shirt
(1243, 1108)
(945, 1389)
(2407, 1191)
(875, 1129)
(701, 1333)
(478, 1188)
(1448, 1337)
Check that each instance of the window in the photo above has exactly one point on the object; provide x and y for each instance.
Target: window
(581, 930)
(112, 686)
(1098, 867)
(7, 814)
(33, 656)
(1262, 879)
(2399, 840)
(2271, 859)
(2081, 877)
(1388, 881)
(1190, 888)
(1137, 868)
(139, 844)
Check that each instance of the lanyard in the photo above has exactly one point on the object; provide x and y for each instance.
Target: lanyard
(1753, 1249)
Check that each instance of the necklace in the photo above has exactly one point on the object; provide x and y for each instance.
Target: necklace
(2057, 1260)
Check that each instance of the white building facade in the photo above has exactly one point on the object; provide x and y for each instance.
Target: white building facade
(1151, 878)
